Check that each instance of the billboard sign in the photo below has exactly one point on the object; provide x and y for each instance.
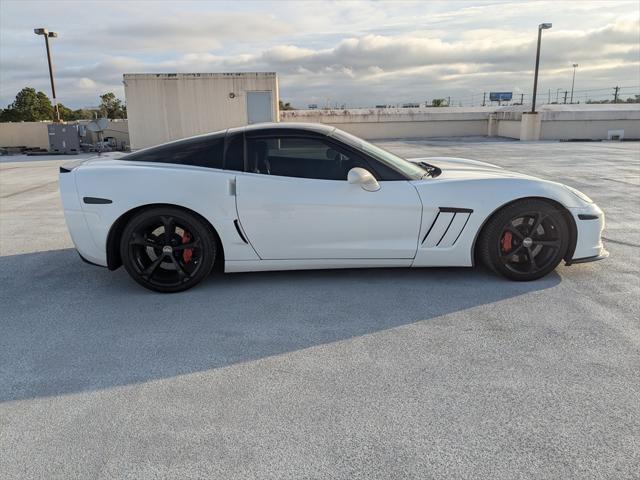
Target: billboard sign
(500, 96)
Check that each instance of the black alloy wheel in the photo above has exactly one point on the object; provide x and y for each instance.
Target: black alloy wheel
(167, 249)
(525, 241)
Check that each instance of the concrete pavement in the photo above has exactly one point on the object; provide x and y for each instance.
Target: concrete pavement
(434, 373)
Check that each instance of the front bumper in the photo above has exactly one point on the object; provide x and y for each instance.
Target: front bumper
(604, 254)
(590, 223)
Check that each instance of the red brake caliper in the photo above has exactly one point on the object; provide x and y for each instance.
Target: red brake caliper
(187, 253)
(505, 242)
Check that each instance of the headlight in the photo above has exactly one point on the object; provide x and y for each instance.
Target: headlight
(578, 194)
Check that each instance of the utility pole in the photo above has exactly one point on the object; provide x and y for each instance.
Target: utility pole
(615, 95)
(542, 26)
(484, 97)
(522, 99)
(565, 96)
(573, 81)
(549, 98)
(47, 34)
(448, 101)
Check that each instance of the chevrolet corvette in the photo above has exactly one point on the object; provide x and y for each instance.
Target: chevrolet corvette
(281, 196)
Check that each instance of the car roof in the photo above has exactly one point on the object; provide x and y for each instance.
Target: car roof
(310, 127)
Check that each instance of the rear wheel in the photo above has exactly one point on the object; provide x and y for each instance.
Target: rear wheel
(167, 249)
(525, 240)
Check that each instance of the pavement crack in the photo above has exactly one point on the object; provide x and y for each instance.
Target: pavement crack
(29, 189)
(628, 244)
(620, 181)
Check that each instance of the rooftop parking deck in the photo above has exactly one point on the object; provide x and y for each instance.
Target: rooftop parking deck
(392, 373)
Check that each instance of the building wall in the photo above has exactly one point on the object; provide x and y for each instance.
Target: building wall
(399, 123)
(557, 122)
(24, 134)
(509, 128)
(416, 129)
(588, 129)
(165, 107)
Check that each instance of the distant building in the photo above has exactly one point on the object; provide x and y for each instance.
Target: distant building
(168, 106)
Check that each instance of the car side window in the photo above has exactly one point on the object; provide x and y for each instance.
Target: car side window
(301, 157)
(234, 154)
(201, 152)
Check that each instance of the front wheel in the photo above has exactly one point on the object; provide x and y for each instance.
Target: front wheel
(525, 240)
(167, 249)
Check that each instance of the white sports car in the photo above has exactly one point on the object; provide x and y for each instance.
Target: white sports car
(306, 196)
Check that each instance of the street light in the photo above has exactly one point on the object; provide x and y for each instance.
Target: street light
(47, 34)
(542, 26)
(573, 81)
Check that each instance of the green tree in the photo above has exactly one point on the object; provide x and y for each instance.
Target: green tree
(44, 109)
(284, 106)
(28, 106)
(9, 115)
(439, 102)
(111, 106)
(25, 105)
(83, 114)
(66, 113)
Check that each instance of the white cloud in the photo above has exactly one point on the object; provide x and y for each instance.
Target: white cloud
(393, 51)
(85, 84)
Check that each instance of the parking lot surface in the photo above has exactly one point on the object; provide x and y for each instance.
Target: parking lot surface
(391, 373)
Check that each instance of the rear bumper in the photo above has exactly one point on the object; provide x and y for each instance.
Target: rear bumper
(89, 261)
(76, 220)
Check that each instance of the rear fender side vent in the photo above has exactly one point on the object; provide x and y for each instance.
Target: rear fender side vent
(447, 227)
(239, 230)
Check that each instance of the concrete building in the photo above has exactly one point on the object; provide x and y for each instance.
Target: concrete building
(169, 106)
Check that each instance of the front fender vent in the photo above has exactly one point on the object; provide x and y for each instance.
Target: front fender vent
(447, 227)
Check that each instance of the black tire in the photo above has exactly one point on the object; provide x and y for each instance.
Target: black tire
(167, 249)
(525, 240)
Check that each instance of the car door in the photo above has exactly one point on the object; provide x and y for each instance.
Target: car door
(294, 202)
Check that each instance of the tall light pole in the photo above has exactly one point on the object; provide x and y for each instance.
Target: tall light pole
(573, 81)
(47, 34)
(542, 26)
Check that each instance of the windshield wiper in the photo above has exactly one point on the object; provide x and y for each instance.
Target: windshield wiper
(431, 170)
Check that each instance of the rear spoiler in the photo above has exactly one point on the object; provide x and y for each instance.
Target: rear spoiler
(67, 167)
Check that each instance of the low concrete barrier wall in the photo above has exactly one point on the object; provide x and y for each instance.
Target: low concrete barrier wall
(24, 134)
(36, 135)
(424, 129)
(553, 122)
(556, 122)
(588, 129)
(509, 128)
(399, 123)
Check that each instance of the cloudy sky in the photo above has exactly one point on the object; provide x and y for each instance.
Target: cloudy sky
(358, 53)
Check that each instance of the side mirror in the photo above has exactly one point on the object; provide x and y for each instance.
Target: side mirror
(363, 177)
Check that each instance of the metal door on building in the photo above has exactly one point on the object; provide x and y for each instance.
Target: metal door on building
(259, 107)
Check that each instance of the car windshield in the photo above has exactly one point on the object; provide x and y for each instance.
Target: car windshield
(410, 169)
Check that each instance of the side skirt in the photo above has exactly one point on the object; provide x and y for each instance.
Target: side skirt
(271, 265)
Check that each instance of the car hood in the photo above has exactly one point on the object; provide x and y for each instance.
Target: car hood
(464, 168)
(453, 163)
